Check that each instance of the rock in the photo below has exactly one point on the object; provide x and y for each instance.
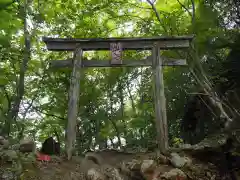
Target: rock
(111, 172)
(177, 161)
(134, 165)
(174, 174)
(148, 166)
(188, 161)
(27, 145)
(10, 155)
(4, 143)
(185, 146)
(7, 175)
(30, 157)
(94, 174)
(137, 169)
(161, 159)
(16, 147)
(26, 140)
(159, 171)
(132, 169)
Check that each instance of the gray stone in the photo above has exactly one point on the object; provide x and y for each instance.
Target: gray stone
(1, 138)
(16, 146)
(177, 161)
(188, 161)
(27, 145)
(95, 174)
(147, 165)
(185, 146)
(26, 140)
(30, 157)
(7, 175)
(174, 174)
(4, 143)
(10, 155)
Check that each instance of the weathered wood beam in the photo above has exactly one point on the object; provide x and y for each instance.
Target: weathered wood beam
(160, 102)
(69, 44)
(107, 63)
(73, 102)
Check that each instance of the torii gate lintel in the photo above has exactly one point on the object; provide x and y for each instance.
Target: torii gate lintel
(116, 46)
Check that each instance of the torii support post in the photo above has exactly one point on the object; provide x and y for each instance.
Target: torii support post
(159, 100)
(73, 102)
(116, 45)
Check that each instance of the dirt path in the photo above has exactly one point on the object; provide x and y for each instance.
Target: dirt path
(123, 165)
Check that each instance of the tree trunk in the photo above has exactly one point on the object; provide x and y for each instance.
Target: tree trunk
(111, 115)
(122, 107)
(131, 97)
(13, 113)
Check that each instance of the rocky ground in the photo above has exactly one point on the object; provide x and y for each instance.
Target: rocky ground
(19, 162)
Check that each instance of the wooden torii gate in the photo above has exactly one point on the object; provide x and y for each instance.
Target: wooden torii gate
(117, 45)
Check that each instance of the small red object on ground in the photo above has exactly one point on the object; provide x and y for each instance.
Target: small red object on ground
(180, 178)
(43, 157)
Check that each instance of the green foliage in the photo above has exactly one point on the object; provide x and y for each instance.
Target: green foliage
(115, 102)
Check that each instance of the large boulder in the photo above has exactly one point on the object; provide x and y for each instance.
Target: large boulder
(27, 145)
(177, 161)
(148, 166)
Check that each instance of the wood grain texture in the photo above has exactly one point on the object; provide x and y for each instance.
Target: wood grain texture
(125, 63)
(73, 103)
(159, 101)
(69, 44)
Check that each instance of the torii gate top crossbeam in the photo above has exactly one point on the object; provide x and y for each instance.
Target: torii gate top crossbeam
(116, 45)
(141, 43)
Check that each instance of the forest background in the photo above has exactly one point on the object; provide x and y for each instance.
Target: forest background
(116, 106)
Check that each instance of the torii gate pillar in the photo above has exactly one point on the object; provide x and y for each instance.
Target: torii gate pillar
(116, 45)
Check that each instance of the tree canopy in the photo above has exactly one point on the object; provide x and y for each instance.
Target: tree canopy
(116, 106)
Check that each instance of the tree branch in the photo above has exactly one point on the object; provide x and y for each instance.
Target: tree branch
(193, 11)
(47, 114)
(8, 98)
(157, 14)
(36, 95)
(184, 7)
